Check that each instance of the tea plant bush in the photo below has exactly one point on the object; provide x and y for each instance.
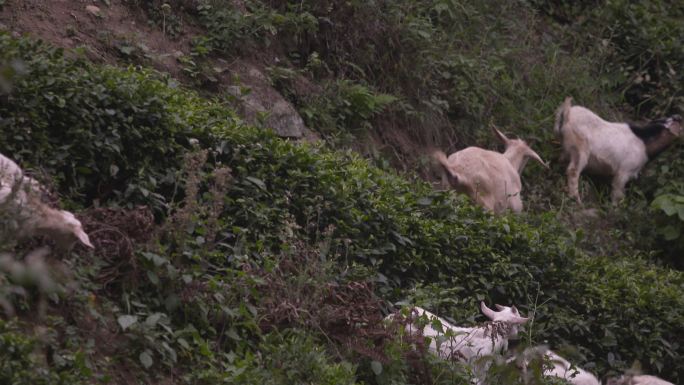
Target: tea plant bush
(193, 299)
(100, 135)
(21, 365)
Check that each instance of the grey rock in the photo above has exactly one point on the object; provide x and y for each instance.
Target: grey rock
(260, 103)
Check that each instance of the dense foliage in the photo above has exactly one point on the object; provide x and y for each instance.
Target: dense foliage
(453, 68)
(108, 137)
(201, 295)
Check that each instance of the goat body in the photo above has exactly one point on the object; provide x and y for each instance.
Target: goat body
(467, 344)
(563, 369)
(19, 196)
(490, 178)
(10, 175)
(607, 148)
(454, 342)
(486, 176)
(641, 379)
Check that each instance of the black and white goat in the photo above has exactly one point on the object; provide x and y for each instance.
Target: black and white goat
(606, 148)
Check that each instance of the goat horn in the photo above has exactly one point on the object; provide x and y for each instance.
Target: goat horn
(499, 134)
(536, 157)
(487, 311)
(83, 237)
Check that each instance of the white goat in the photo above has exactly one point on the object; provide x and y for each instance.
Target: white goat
(563, 369)
(619, 150)
(19, 195)
(467, 344)
(553, 365)
(490, 178)
(642, 379)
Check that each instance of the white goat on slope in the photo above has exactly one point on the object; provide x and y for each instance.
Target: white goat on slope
(553, 365)
(563, 369)
(640, 379)
(19, 195)
(490, 178)
(619, 150)
(467, 344)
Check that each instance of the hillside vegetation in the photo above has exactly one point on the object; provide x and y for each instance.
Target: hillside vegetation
(397, 78)
(225, 254)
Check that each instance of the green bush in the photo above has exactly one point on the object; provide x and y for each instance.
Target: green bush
(293, 358)
(398, 232)
(21, 364)
(100, 134)
(407, 234)
(455, 66)
(642, 43)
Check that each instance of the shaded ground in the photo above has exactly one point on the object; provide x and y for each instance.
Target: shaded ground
(105, 32)
(121, 33)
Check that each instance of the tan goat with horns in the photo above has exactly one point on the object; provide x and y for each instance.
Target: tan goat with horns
(490, 178)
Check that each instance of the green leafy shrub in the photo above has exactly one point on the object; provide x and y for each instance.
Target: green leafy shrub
(673, 206)
(292, 357)
(647, 39)
(167, 15)
(452, 78)
(397, 232)
(20, 365)
(100, 134)
(670, 208)
(344, 108)
(642, 42)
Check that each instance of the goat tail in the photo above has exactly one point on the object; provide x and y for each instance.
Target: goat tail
(448, 176)
(441, 157)
(562, 114)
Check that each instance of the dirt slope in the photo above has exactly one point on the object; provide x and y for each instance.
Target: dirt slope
(105, 32)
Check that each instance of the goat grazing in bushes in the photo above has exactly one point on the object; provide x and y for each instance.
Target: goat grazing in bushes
(467, 344)
(490, 178)
(606, 148)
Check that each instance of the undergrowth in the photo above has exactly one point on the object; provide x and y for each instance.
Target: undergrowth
(438, 73)
(262, 249)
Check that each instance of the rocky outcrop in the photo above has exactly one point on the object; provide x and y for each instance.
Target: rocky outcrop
(259, 103)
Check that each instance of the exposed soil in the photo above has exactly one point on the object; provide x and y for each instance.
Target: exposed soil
(103, 34)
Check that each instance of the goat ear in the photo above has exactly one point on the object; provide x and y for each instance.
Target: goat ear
(487, 311)
(530, 152)
(83, 237)
(675, 126)
(519, 320)
(499, 307)
(500, 135)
